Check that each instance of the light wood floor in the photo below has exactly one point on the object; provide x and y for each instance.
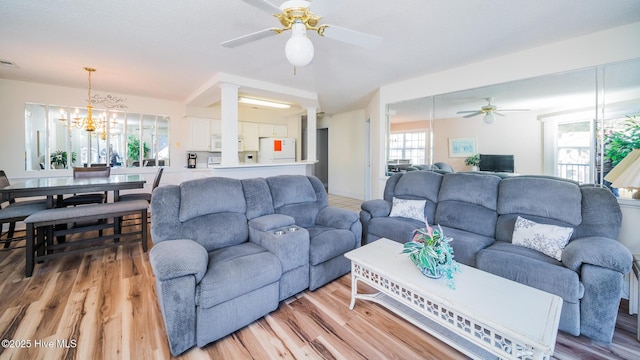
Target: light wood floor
(103, 305)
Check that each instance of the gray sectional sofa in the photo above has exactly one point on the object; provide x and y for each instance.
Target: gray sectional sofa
(479, 212)
(227, 251)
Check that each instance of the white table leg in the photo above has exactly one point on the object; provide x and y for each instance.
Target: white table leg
(354, 290)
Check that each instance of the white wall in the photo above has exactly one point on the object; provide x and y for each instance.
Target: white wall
(14, 94)
(519, 135)
(599, 48)
(346, 153)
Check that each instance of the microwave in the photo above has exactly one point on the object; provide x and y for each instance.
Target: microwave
(216, 143)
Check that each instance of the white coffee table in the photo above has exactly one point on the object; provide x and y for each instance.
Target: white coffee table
(486, 316)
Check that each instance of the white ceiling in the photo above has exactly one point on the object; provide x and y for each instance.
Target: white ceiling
(169, 49)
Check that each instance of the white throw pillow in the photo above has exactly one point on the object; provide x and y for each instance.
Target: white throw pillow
(547, 239)
(412, 209)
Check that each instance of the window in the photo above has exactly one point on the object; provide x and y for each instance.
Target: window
(574, 152)
(53, 132)
(408, 145)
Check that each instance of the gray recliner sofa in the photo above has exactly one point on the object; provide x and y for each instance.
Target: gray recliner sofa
(479, 212)
(227, 251)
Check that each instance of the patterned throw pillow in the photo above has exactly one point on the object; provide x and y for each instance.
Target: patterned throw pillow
(412, 209)
(547, 239)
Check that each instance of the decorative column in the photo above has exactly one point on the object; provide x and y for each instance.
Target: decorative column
(311, 134)
(229, 127)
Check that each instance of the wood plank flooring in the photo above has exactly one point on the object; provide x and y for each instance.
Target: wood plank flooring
(103, 305)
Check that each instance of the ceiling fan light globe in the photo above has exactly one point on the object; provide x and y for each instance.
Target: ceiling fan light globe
(299, 50)
(488, 119)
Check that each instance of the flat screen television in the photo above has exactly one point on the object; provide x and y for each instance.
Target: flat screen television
(497, 163)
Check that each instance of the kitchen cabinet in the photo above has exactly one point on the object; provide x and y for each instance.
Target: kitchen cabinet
(270, 130)
(200, 134)
(216, 126)
(250, 133)
(280, 130)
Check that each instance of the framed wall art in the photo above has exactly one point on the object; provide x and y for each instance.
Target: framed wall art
(462, 147)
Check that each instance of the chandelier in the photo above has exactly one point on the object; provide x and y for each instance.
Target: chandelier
(89, 123)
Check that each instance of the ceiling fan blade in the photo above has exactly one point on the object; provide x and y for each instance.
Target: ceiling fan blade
(503, 110)
(251, 37)
(350, 36)
(324, 7)
(476, 113)
(466, 111)
(264, 5)
(499, 114)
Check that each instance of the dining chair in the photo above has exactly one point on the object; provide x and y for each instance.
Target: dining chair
(93, 198)
(15, 211)
(144, 195)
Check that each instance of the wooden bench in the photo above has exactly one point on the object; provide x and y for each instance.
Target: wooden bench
(41, 229)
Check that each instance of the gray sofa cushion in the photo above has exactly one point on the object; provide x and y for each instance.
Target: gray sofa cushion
(327, 243)
(236, 270)
(466, 244)
(468, 202)
(539, 196)
(288, 189)
(532, 268)
(258, 197)
(215, 231)
(396, 228)
(596, 222)
(197, 197)
(419, 185)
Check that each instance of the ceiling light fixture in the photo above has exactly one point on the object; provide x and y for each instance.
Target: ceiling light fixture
(89, 123)
(259, 102)
(489, 118)
(299, 49)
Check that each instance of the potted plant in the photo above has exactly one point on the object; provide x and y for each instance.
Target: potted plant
(133, 148)
(430, 251)
(619, 144)
(473, 161)
(59, 159)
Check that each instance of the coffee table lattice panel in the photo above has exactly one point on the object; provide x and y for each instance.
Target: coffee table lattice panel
(481, 334)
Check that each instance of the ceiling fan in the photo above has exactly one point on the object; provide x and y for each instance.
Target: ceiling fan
(488, 110)
(300, 16)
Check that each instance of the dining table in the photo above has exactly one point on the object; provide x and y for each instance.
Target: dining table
(59, 186)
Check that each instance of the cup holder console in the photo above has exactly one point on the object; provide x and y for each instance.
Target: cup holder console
(288, 230)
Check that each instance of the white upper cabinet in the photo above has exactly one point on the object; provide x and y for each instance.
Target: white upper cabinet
(216, 126)
(269, 130)
(280, 130)
(200, 134)
(250, 136)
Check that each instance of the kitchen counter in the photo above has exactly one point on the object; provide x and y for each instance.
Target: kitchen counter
(256, 165)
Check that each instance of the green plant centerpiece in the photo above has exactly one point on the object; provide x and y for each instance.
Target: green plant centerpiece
(58, 159)
(473, 160)
(431, 252)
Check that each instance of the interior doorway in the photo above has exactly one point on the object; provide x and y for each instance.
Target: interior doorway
(322, 153)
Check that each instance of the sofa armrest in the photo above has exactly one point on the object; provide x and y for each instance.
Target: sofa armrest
(377, 208)
(599, 251)
(171, 259)
(336, 218)
(271, 222)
